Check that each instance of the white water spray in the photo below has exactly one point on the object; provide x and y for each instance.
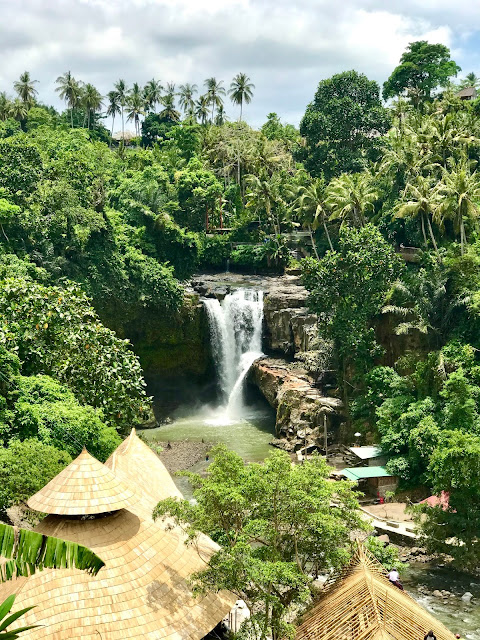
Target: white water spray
(236, 338)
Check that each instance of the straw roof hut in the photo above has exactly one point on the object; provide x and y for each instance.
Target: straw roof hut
(362, 604)
(134, 462)
(142, 592)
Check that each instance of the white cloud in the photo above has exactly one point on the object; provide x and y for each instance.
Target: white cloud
(285, 47)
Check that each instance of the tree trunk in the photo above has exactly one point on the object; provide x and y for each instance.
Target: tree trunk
(111, 134)
(431, 234)
(313, 242)
(71, 116)
(241, 108)
(422, 218)
(326, 233)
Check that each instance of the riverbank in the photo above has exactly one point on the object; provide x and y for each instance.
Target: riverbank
(181, 455)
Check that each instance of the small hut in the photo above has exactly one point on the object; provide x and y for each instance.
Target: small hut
(467, 93)
(362, 604)
(143, 591)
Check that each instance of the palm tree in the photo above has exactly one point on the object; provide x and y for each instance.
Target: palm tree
(350, 196)
(214, 93)
(152, 93)
(241, 90)
(460, 196)
(221, 116)
(24, 552)
(121, 89)
(113, 108)
(185, 94)
(262, 194)
(25, 87)
(18, 110)
(92, 101)
(470, 80)
(311, 208)
(135, 106)
(5, 106)
(201, 109)
(170, 90)
(169, 112)
(420, 201)
(69, 90)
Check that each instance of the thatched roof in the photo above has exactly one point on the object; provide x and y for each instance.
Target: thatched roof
(143, 590)
(135, 463)
(85, 487)
(362, 604)
(126, 135)
(468, 93)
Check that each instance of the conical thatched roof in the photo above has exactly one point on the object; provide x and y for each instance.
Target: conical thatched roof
(362, 604)
(85, 487)
(135, 463)
(141, 593)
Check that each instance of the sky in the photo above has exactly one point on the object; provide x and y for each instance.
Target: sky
(285, 46)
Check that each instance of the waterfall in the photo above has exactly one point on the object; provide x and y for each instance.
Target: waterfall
(236, 338)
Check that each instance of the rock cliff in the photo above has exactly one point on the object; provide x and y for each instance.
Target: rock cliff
(300, 407)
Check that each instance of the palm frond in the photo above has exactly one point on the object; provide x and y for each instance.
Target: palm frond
(28, 551)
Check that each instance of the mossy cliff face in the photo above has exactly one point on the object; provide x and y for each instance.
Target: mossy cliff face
(173, 344)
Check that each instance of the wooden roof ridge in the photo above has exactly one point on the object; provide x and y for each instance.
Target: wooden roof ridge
(360, 603)
(84, 487)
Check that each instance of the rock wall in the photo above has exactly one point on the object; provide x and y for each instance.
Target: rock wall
(289, 326)
(176, 344)
(300, 407)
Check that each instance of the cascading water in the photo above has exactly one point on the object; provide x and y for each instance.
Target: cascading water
(236, 337)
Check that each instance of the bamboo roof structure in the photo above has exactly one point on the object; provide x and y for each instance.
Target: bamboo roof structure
(362, 604)
(135, 463)
(85, 487)
(142, 593)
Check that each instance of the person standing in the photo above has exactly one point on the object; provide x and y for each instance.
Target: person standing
(430, 636)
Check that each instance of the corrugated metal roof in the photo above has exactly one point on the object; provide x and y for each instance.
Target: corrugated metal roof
(360, 473)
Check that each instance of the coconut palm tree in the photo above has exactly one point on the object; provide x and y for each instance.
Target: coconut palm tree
(18, 110)
(420, 200)
(185, 97)
(215, 91)
(69, 90)
(122, 92)
(152, 93)
(241, 91)
(470, 80)
(201, 109)
(459, 194)
(221, 116)
(349, 197)
(262, 195)
(113, 108)
(24, 552)
(135, 106)
(312, 210)
(92, 102)
(5, 106)
(169, 112)
(25, 87)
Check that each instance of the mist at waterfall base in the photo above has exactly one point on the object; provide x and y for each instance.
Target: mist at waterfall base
(235, 412)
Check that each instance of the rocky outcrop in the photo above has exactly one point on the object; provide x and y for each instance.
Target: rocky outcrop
(289, 326)
(300, 407)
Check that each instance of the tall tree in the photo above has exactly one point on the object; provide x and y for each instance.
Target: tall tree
(420, 200)
(312, 210)
(215, 91)
(152, 93)
(113, 108)
(423, 67)
(69, 90)
(25, 88)
(350, 197)
(18, 110)
(122, 92)
(459, 193)
(241, 90)
(186, 101)
(276, 527)
(342, 125)
(169, 112)
(5, 106)
(92, 102)
(470, 80)
(201, 109)
(135, 106)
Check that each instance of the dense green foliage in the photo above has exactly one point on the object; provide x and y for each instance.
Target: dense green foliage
(276, 525)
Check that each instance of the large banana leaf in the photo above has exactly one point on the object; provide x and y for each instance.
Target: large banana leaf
(28, 551)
